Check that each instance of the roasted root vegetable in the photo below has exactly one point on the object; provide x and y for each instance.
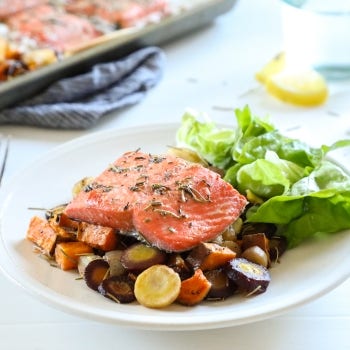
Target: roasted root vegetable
(209, 256)
(250, 278)
(255, 239)
(194, 289)
(118, 288)
(179, 265)
(221, 286)
(95, 272)
(42, 234)
(157, 287)
(116, 268)
(84, 260)
(96, 236)
(139, 257)
(256, 255)
(67, 254)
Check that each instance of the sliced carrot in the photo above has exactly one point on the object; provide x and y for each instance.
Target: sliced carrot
(67, 254)
(99, 237)
(42, 234)
(157, 287)
(210, 256)
(194, 289)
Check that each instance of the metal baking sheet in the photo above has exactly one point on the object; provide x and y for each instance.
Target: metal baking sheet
(112, 47)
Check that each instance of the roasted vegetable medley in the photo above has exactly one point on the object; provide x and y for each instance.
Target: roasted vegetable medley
(124, 269)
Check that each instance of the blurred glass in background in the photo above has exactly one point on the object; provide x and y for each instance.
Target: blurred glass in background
(317, 34)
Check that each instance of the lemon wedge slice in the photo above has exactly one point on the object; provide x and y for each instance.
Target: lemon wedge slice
(304, 88)
(274, 66)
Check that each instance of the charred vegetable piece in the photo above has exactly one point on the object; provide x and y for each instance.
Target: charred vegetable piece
(250, 228)
(277, 246)
(139, 257)
(95, 272)
(118, 288)
(256, 255)
(248, 276)
(115, 266)
(209, 256)
(255, 239)
(178, 264)
(85, 260)
(157, 287)
(221, 286)
(67, 254)
(194, 289)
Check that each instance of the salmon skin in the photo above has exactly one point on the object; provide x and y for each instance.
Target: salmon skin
(173, 204)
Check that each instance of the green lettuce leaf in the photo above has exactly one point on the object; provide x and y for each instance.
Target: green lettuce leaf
(304, 194)
(212, 143)
(318, 203)
(267, 177)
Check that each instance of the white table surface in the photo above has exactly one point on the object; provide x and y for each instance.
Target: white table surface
(211, 70)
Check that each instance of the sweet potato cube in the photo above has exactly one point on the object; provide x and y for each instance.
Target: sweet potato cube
(67, 254)
(99, 237)
(209, 256)
(42, 234)
(194, 289)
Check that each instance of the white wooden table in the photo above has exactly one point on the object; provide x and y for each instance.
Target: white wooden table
(211, 70)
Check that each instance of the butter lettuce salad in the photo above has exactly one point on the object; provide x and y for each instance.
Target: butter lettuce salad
(289, 184)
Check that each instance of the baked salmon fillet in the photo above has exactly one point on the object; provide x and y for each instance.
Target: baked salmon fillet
(172, 203)
(122, 13)
(51, 28)
(9, 7)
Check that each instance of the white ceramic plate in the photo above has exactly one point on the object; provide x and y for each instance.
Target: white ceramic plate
(304, 273)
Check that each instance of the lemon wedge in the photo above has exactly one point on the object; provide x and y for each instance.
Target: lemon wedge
(276, 65)
(303, 87)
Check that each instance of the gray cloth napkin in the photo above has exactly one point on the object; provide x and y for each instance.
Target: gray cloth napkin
(79, 102)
